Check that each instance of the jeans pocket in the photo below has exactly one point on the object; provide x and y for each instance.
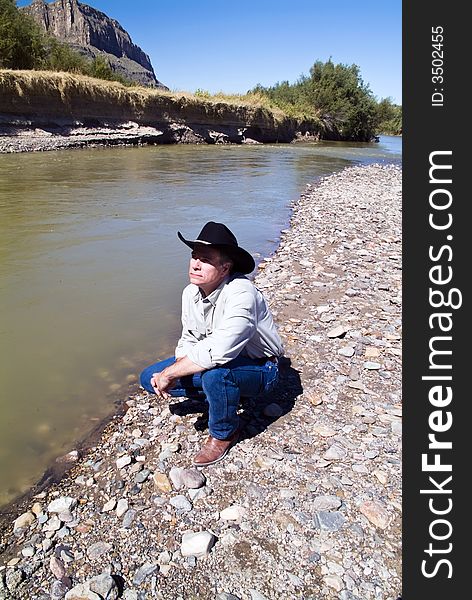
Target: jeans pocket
(272, 378)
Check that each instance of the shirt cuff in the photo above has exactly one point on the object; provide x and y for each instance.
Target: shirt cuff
(201, 357)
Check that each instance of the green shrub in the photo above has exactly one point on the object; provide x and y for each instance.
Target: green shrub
(389, 117)
(336, 94)
(21, 41)
(60, 57)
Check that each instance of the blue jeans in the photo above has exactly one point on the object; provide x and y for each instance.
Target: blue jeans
(222, 386)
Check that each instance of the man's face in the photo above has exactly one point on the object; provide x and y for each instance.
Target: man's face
(206, 269)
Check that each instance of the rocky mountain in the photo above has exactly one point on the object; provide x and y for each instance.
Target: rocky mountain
(93, 34)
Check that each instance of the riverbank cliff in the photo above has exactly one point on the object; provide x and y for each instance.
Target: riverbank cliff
(50, 111)
(307, 505)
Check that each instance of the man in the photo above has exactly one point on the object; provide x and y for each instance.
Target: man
(229, 345)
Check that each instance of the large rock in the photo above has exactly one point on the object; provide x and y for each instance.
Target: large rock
(197, 544)
(23, 522)
(92, 33)
(62, 504)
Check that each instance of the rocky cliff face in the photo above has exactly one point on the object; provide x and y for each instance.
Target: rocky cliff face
(92, 33)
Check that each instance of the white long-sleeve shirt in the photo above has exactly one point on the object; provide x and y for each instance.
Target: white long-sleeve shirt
(233, 320)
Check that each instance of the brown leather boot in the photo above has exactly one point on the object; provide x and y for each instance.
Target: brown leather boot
(214, 450)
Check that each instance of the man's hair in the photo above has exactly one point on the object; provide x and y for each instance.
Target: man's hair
(224, 257)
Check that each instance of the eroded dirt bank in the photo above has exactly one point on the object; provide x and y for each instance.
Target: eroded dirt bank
(42, 111)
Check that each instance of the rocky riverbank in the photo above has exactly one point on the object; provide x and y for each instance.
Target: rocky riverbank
(308, 504)
(36, 135)
(30, 134)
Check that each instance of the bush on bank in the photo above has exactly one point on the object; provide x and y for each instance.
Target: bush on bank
(337, 95)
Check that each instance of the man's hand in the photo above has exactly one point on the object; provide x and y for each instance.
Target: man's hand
(161, 384)
(165, 380)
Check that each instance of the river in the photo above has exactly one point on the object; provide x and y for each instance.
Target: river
(91, 269)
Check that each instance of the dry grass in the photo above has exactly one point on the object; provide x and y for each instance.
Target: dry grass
(28, 83)
(248, 100)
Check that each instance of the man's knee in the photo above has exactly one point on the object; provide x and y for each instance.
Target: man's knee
(145, 379)
(214, 377)
(146, 375)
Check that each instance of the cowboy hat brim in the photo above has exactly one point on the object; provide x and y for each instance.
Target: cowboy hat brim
(243, 261)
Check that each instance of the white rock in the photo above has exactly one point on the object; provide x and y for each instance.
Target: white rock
(104, 585)
(188, 478)
(232, 513)
(70, 457)
(360, 468)
(109, 506)
(123, 461)
(334, 581)
(335, 453)
(66, 516)
(198, 494)
(62, 504)
(197, 544)
(181, 503)
(326, 503)
(164, 569)
(53, 524)
(164, 558)
(23, 521)
(338, 331)
(324, 430)
(356, 385)
(396, 428)
(228, 539)
(171, 446)
(372, 366)
(81, 592)
(121, 507)
(381, 476)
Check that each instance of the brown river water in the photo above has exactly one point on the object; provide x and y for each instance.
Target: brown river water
(91, 270)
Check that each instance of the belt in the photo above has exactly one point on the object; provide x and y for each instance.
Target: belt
(264, 359)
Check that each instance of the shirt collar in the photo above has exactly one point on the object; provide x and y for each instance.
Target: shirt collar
(213, 297)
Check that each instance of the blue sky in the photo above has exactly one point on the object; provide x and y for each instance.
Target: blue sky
(217, 45)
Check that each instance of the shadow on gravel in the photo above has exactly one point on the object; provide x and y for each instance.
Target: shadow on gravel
(258, 412)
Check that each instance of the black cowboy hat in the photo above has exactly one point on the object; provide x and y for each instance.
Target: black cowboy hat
(217, 234)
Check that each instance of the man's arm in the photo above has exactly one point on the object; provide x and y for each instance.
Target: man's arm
(187, 339)
(164, 381)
